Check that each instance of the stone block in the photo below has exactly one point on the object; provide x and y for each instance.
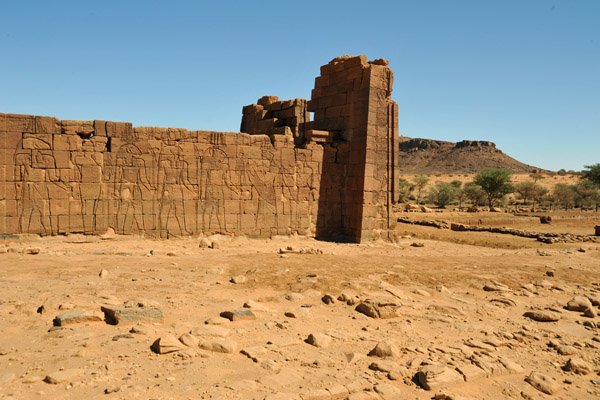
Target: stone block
(134, 311)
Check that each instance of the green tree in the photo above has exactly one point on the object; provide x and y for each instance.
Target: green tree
(539, 195)
(591, 173)
(442, 194)
(420, 181)
(474, 193)
(403, 190)
(536, 176)
(526, 190)
(563, 195)
(458, 190)
(586, 194)
(495, 182)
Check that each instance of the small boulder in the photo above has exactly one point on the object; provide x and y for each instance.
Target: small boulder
(493, 286)
(376, 309)
(62, 376)
(543, 315)
(205, 243)
(238, 279)
(219, 346)
(167, 344)
(239, 314)
(578, 366)
(132, 311)
(590, 313)
(385, 349)
(543, 383)
(189, 340)
(319, 340)
(432, 377)
(103, 274)
(579, 303)
(76, 317)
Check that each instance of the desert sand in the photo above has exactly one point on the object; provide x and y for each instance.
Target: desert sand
(454, 318)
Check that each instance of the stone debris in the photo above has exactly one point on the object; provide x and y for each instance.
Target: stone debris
(133, 311)
(319, 340)
(432, 377)
(77, 317)
(142, 330)
(328, 299)
(590, 313)
(376, 309)
(579, 303)
(543, 383)
(167, 344)
(63, 376)
(205, 243)
(239, 314)
(103, 274)
(543, 315)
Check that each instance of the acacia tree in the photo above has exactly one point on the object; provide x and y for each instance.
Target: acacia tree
(592, 174)
(458, 190)
(442, 194)
(539, 195)
(526, 190)
(420, 181)
(563, 195)
(536, 176)
(495, 182)
(474, 193)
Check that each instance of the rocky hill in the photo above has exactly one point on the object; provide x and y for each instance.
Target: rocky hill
(425, 156)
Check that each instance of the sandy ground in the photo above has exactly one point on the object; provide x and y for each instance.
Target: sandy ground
(443, 317)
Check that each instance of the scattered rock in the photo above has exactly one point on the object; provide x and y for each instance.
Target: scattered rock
(239, 314)
(385, 349)
(189, 340)
(301, 312)
(205, 243)
(543, 383)
(238, 279)
(543, 315)
(219, 346)
(417, 244)
(328, 299)
(493, 286)
(254, 352)
(77, 317)
(103, 274)
(210, 331)
(62, 376)
(578, 366)
(435, 376)
(319, 340)
(256, 306)
(45, 306)
(566, 350)
(116, 338)
(32, 250)
(167, 344)
(133, 311)
(579, 303)
(142, 330)
(294, 297)
(590, 313)
(378, 309)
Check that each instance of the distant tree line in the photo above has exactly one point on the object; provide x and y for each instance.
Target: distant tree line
(491, 186)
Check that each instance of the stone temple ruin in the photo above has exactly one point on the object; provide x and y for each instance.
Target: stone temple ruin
(283, 174)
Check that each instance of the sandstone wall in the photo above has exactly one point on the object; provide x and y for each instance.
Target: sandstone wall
(333, 177)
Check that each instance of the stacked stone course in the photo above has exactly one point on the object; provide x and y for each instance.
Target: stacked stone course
(331, 177)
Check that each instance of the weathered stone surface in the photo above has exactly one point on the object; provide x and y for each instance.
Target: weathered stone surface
(189, 340)
(77, 317)
(543, 383)
(543, 315)
(210, 331)
(493, 286)
(432, 377)
(378, 309)
(254, 353)
(239, 314)
(133, 311)
(256, 306)
(167, 344)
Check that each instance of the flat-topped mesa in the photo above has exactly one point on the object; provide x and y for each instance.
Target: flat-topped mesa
(270, 116)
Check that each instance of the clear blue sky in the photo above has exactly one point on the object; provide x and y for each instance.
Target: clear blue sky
(524, 74)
